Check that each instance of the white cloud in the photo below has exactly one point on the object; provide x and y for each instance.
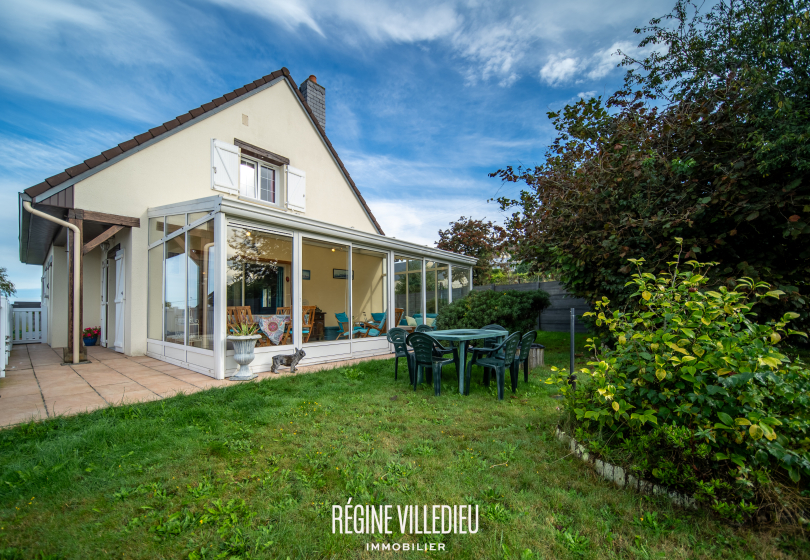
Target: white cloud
(604, 61)
(585, 95)
(559, 69)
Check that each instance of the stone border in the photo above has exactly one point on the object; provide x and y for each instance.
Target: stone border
(621, 478)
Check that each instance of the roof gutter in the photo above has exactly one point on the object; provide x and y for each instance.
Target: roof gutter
(77, 252)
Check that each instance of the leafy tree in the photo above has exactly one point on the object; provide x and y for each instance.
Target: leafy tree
(475, 238)
(6, 286)
(707, 140)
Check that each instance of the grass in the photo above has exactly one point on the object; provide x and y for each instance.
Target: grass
(253, 470)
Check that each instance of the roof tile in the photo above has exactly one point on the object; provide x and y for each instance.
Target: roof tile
(95, 161)
(208, 106)
(112, 152)
(229, 96)
(141, 138)
(37, 189)
(58, 178)
(259, 82)
(185, 117)
(157, 131)
(171, 125)
(196, 112)
(250, 87)
(128, 145)
(77, 169)
(240, 91)
(219, 101)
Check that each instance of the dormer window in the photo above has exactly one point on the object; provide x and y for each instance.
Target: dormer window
(259, 181)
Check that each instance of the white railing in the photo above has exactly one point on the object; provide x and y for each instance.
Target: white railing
(5, 334)
(27, 325)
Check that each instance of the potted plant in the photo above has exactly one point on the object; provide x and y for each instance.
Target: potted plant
(244, 337)
(90, 335)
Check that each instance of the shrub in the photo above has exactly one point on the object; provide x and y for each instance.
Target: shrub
(697, 396)
(512, 309)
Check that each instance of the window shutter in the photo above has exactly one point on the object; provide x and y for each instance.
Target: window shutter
(296, 189)
(224, 166)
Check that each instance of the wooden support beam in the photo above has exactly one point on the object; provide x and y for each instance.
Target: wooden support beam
(73, 261)
(90, 245)
(102, 218)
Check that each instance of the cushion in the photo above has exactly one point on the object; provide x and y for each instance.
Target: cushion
(273, 327)
(378, 317)
(429, 321)
(411, 321)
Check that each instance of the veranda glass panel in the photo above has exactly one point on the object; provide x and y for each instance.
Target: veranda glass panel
(175, 293)
(194, 216)
(370, 292)
(175, 222)
(259, 283)
(408, 288)
(325, 291)
(201, 286)
(461, 282)
(156, 229)
(154, 328)
(438, 287)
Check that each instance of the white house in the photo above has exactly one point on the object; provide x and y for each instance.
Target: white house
(239, 208)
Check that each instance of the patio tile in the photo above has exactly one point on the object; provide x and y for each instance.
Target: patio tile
(10, 418)
(65, 390)
(8, 391)
(21, 402)
(107, 378)
(114, 393)
(164, 386)
(74, 404)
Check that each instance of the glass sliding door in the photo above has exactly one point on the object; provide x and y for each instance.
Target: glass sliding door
(154, 323)
(370, 292)
(259, 283)
(462, 281)
(200, 326)
(174, 321)
(408, 287)
(325, 280)
(437, 287)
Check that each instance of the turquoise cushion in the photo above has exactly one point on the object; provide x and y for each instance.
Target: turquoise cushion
(378, 317)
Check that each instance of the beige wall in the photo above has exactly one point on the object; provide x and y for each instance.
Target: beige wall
(178, 168)
(91, 277)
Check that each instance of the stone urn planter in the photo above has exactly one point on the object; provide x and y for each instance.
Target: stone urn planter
(243, 347)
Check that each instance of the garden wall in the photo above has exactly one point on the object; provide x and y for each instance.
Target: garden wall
(557, 317)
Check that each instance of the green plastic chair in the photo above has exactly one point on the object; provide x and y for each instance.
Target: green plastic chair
(424, 357)
(424, 328)
(489, 344)
(522, 357)
(397, 337)
(502, 357)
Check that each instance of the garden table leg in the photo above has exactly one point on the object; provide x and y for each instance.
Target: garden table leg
(462, 360)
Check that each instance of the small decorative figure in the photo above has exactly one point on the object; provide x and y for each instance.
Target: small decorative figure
(289, 360)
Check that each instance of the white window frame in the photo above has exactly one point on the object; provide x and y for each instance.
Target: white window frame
(258, 164)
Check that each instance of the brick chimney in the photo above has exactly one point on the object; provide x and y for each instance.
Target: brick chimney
(315, 96)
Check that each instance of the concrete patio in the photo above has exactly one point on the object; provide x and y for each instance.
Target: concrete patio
(37, 386)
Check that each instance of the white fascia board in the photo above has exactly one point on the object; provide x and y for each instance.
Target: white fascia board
(82, 176)
(280, 218)
(209, 204)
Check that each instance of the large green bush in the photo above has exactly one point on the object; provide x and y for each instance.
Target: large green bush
(695, 395)
(512, 309)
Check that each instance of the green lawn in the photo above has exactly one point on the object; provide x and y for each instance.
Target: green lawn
(253, 470)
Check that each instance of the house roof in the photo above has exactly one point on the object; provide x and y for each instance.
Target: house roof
(88, 164)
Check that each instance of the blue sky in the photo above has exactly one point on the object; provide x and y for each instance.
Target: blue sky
(423, 99)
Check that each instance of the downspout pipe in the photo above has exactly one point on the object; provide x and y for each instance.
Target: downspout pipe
(77, 254)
